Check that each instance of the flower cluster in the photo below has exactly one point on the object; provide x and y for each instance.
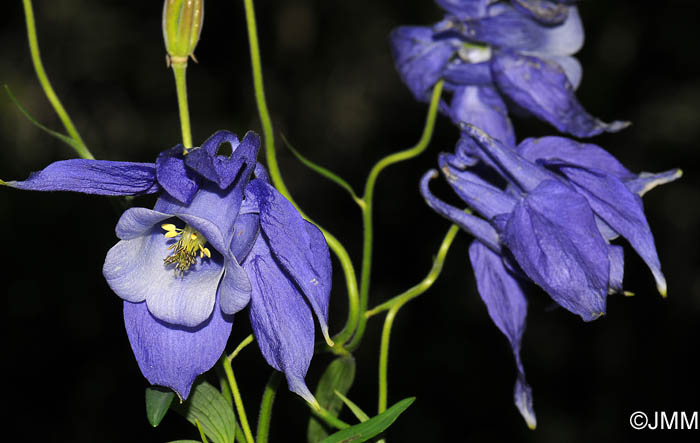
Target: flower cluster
(544, 211)
(501, 55)
(548, 218)
(219, 238)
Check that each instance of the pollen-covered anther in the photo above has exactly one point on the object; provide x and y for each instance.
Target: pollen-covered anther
(185, 250)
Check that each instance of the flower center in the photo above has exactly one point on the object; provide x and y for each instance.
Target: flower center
(189, 245)
(474, 53)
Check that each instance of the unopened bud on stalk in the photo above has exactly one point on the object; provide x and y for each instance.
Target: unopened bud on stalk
(182, 25)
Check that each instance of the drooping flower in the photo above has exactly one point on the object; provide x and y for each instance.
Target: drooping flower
(550, 220)
(496, 55)
(216, 240)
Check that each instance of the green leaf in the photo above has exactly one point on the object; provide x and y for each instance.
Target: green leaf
(372, 427)
(157, 403)
(76, 145)
(185, 441)
(324, 172)
(338, 376)
(206, 405)
(359, 413)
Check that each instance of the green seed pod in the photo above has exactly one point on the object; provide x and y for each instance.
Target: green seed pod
(182, 25)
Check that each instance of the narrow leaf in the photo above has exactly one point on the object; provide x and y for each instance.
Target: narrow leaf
(359, 413)
(207, 406)
(157, 403)
(339, 376)
(76, 145)
(324, 172)
(184, 441)
(372, 427)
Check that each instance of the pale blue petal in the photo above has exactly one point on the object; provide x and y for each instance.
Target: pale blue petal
(482, 106)
(135, 270)
(235, 287)
(134, 222)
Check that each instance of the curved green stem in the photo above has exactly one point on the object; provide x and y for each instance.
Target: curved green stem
(397, 302)
(180, 73)
(80, 147)
(246, 341)
(238, 401)
(268, 400)
(368, 209)
(276, 176)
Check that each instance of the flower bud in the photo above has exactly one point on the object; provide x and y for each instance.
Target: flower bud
(182, 25)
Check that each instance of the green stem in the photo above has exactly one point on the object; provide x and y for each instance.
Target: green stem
(426, 283)
(246, 341)
(329, 418)
(239, 435)
(384, 357)
(268, 400)
(180, 73)
(223, 384)
(276, 176)
(397, 302)
(242, 417)
(368, 209)
(80, 148)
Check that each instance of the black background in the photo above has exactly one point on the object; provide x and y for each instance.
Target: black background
(333, 91)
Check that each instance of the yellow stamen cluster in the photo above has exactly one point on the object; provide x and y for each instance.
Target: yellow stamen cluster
(185, 251)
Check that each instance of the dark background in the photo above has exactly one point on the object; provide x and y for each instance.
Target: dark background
(333, 91)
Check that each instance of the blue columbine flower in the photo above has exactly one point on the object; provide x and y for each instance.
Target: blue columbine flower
(495, 52)
(549, 220)
(220, 237)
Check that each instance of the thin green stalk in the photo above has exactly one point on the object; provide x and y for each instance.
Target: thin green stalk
(180, 73)
(427, 282)
(276, 176)
(329, 418)
(246, 341)
(368, 209)
(80, 148)
(242, 417)
(223, 384)
(397, 302)
(384, 357)
(263, 431)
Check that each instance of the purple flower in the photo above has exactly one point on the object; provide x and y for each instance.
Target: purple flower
(219, 238)
(496, 53)
(549, 220)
